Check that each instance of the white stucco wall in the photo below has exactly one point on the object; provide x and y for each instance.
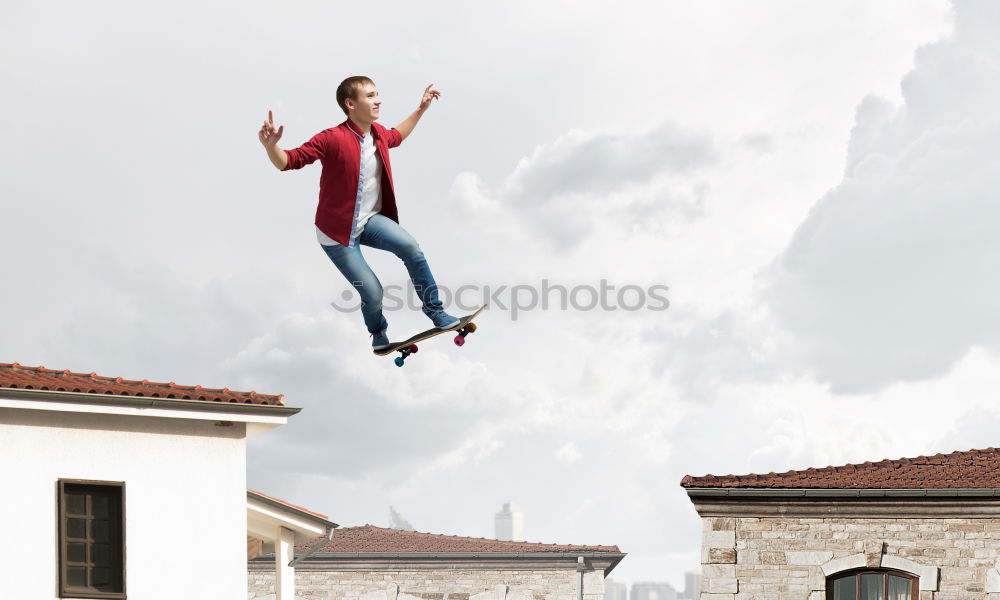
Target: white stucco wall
(185, 500)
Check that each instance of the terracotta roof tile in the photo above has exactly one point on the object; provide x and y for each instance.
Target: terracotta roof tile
(970, 469)
(17, 376)
(369, 538)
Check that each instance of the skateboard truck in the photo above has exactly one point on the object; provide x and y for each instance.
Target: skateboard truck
(404, 352)
(464, 331)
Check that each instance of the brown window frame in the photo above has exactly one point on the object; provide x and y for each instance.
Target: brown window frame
(116, 491)
(857, 573)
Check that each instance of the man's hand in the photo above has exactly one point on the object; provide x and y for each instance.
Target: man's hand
(406, 127)
(429, 96)
(268, 135)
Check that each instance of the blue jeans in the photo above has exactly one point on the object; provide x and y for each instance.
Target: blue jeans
(383, 233)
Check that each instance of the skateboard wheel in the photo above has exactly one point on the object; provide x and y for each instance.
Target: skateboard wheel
(413, 348)
(399, 361)
(459, 340)
(472, 327)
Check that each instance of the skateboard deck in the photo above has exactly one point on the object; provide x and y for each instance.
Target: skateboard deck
(407, 347)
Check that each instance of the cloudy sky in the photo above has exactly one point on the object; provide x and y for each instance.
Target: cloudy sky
(814, 183)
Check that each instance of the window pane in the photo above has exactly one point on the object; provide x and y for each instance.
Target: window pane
(76, 528)
(76, 552)
(99, 506)
(871, 586)
(101, 530)
(100, 577)
(76, 576)
(845, 588)
(100, 554)
(76, 504)
(899, 588)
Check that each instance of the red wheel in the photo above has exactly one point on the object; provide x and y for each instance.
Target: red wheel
(413, 348)
(459, 340)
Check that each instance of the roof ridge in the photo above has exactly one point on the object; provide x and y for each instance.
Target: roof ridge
(901, 471)
(464, 537)
(24, 371)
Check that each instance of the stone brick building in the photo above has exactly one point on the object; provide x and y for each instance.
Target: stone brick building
(926, 527)
(375, 563)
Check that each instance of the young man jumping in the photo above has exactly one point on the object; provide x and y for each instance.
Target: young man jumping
(357, 203)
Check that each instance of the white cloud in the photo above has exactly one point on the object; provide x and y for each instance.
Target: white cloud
(594, 185)
(568, 453)
(891, 276)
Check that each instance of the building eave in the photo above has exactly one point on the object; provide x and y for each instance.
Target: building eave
(973, 503)
(145, 402)
(605, 561)
(784, 493)
(291, 511)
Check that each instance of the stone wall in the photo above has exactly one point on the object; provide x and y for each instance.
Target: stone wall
(772, 558)
(442, 583)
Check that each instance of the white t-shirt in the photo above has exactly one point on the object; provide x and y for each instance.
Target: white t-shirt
(371, 191)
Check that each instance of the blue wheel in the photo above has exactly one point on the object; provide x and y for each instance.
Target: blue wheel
(399, 361)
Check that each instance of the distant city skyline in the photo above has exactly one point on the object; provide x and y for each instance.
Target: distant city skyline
(615, 590)
(654, 590)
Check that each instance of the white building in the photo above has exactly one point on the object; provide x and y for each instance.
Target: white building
(692, 585)
(509, 523)
(112, 485)
(615, 590)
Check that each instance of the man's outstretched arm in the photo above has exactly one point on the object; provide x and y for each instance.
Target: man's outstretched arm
(407, 126)
(269, 137)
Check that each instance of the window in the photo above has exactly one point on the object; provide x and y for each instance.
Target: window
(91, 539)
(872, 585)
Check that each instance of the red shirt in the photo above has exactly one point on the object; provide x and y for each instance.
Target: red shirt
(339, 149)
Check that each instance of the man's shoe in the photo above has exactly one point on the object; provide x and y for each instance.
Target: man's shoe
(380, 341)
(444, 321)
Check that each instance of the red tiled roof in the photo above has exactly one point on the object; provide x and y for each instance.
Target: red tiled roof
(970, 469)
(290, 505)
(369, 538)
(16, 376)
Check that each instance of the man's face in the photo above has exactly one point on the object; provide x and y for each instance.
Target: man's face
(365, 106)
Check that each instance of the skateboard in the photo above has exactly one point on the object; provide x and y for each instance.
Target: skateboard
(405, 348)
